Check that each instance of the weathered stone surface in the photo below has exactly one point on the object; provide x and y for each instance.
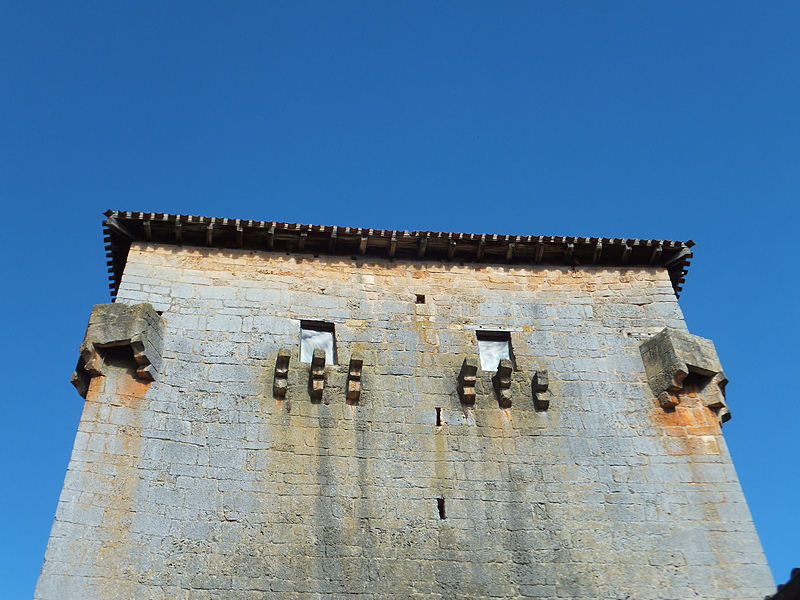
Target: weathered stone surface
(671, 355)
(280, 381)
(354, 380)
(540, 382)
(204, 485)
(502, 383)
(316, 379)
(112, 325)
(467, 380)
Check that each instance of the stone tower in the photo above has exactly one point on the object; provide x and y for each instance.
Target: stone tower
(276, 410)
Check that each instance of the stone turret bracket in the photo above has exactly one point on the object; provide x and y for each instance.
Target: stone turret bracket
(316, 379)
(673, 358)
(502, 383)
(354, 381)
(280, 382)
(138, 326)
(467, 380)
(539, 384)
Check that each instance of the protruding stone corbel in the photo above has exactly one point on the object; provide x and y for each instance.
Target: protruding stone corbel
(539, 384)
(354, 381)
(713, 396)
(316, 380)
(502, 383)
(467, 379)
(671, 355)
(138, 326)
(280, 383)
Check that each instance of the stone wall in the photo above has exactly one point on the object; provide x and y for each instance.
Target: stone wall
(204, 485)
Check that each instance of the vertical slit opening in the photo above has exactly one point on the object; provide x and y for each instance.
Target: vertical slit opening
(440, 506)
(438, 416)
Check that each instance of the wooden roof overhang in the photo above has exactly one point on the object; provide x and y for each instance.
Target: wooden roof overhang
(123, 228)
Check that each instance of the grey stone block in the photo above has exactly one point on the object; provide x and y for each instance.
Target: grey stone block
(671, 355)
(118, 324)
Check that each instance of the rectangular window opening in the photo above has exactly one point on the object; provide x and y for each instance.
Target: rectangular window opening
(317, 334)
(420, 298)
(440, 507)
(493, 346)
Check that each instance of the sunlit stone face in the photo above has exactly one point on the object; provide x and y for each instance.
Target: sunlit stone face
(311, 339)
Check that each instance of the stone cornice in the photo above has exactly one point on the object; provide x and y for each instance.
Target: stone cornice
(123, 228)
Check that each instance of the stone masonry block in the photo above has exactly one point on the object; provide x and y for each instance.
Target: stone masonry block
(671, 355)
(138, 326)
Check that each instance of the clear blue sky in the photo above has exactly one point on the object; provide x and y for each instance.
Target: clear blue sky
(674, 120)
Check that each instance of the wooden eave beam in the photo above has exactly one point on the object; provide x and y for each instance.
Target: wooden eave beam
(481, 248)
(598, 252)
(656, 254)
(626, 254)
(114, 225)
(332, 239)
(680, 256)
(539, 253)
